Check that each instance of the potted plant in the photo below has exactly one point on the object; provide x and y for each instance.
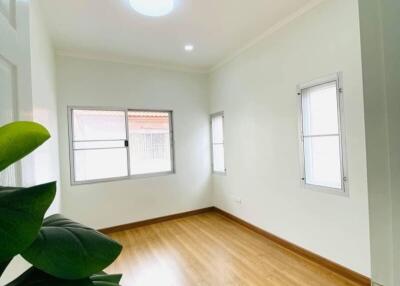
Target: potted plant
(62, 252)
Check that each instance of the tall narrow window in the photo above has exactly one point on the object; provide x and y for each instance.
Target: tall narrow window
(321, 135)
(217, 137)
(113, 144)
(150, 136)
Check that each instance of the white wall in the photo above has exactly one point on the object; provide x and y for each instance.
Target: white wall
(83, 82)
(381, 68)
(257, 91)
(46, 158)
(391, 36)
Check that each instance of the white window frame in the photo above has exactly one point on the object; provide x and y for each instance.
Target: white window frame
(127, 144)
(338, 78)
(213, 115)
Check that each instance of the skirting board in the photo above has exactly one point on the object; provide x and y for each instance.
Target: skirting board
(337, 268)
(154, 220)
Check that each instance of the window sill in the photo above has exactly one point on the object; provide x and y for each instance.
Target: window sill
(219, 173)
(132, 177)
(327, 190)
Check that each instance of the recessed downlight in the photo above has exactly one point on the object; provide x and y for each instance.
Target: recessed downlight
(189, 47)
(152, 8)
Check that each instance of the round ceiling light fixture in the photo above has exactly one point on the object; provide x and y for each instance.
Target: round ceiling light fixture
(152, 8)
(189, 48)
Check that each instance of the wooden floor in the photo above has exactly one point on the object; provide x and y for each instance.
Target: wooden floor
(210, 249)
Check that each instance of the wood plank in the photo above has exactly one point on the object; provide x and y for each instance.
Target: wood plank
(341, 270)
(212, 248)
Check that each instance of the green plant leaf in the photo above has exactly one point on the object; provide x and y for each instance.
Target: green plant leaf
(18, 139)
(106, 278)
(69, 250)
(21, 216)
(35, 277)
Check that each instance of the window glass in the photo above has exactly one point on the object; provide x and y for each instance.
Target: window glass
(96, 164)
(89, 125)
(217, 136)
(320, 113)
(218, 158)
(98, 145)
(321, 136)
(322, 162)
(150, 142)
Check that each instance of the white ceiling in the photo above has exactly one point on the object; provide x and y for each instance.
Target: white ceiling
(110, 28)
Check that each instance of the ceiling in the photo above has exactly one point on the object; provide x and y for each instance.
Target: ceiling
(110, 28)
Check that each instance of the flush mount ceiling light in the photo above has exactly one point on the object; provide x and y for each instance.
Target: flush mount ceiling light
(189, 47)
(152, 8)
